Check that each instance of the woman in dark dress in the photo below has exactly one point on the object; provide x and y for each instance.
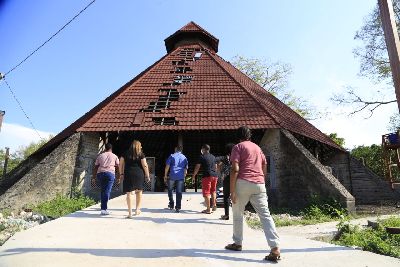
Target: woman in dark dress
(134, 171)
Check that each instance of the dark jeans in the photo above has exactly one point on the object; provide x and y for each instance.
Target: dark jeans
(179, 188)
(106, 180)
(227, 192)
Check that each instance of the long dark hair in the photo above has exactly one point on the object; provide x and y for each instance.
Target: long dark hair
(228, 148)
(135, 150)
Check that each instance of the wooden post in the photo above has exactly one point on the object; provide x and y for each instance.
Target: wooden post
(6, 162)
(392, 42)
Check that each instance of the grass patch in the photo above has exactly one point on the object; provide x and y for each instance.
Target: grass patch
(373, 240)
(319, 211)
(62, 205)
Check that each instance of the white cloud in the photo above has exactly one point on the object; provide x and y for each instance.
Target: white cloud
(14, 136)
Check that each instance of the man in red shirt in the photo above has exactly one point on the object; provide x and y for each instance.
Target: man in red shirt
(248, 184)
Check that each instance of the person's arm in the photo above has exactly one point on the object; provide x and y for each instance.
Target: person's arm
(264, 168)
(195, 172)
(146, 169)
(94, 172)
(264, 165)
(117, 170)
(186, 169)
(121, 169)
(166, 172)
(234, 175)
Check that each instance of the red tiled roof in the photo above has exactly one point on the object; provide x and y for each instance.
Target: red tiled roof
(218, 97)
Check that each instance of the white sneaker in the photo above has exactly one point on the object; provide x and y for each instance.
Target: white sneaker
(105, 212)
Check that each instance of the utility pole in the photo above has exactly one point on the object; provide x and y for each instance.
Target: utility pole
(2, 112)
(6, 162)
(392, 42)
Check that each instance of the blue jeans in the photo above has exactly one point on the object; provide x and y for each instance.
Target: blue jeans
(106, 180)
(179, 188)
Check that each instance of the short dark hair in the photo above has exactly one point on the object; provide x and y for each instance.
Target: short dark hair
(244, 133)
(179, 148)
(205, 147)
(228, 148)
(108, 146)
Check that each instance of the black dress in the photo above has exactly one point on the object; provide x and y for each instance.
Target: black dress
(133, 174)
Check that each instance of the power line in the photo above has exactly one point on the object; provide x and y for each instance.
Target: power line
(62, 28)
(20, 106)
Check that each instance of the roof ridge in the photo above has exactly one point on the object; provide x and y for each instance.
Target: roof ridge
(243, 87)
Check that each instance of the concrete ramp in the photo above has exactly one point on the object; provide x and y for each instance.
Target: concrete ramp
(159, 237)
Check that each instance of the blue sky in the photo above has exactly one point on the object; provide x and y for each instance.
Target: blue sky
(113, 41)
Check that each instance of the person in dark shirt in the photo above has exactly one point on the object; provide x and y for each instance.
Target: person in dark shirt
(224, 167)
(209, 181)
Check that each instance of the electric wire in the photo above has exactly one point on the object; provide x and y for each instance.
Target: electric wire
(54, 35)
(20, 106)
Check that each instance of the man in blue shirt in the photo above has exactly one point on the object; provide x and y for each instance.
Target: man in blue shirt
(177, 165)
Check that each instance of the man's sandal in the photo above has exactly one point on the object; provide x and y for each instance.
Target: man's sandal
(273, 256)
(234, 247)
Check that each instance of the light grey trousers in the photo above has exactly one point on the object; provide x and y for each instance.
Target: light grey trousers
(257, 195)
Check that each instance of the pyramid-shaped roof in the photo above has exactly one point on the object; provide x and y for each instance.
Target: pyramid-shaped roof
(192, 88)
(191, 33)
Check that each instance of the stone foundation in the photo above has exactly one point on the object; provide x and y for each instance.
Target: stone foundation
(299, 174)
(51, 176)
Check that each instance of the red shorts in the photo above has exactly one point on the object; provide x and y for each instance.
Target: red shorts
(209, 185)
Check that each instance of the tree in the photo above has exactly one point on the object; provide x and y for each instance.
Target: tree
(373, 54)
(374, 64)
(21, 154)
(338, 140)
(394, 123)
(371, 156)
(274, 77)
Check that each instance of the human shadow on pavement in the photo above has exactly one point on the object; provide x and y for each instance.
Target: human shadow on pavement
(161, 210)
(180, 220)
(95, 213)
(88, 214)
(221, 254)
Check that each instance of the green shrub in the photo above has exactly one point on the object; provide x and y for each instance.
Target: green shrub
(324, 208)
(318, 211)
(2, 227)
(190, 185)
(62, 205)
(374, 240)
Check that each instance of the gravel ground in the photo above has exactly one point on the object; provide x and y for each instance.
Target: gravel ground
(13, 223)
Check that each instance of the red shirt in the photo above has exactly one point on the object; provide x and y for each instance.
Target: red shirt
(250, 159)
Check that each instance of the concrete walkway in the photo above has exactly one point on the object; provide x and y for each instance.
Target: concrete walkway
(159, 237)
